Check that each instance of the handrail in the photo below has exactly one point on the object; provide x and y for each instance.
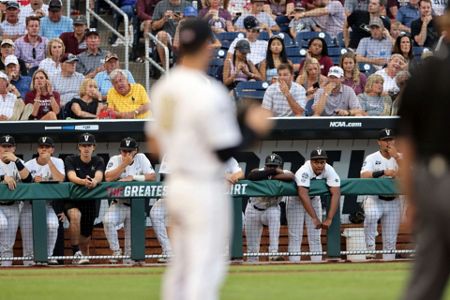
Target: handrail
(124, 37)
(68, 7)
(149, 60)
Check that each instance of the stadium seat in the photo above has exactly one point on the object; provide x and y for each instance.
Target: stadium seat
(367, 69)
(295, 54)
(228, 37)
(303, 38)
(215, 68)
(417, 51)
(308, 108)
(251, 90)
(336, 51)
(340, 40)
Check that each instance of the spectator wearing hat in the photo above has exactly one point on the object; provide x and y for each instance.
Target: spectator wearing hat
(266, 22)
(11, 103)
(91, 61)
(218, 17)
(376, 49)
(336, 98)
(128, 101)
(74, 41)
(11, 27)
(298, 24)
(22, 83)
(67, 82)
(239, 68)
(285, 98)
(424, 30)
(53, 25)
(35, 8)
(31, 47)
(258, 47)
(103, 78)
(88, 105)
(55, 51)
(7, 48)
(45, 101)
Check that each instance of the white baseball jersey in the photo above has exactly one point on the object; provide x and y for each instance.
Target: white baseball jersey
(140, 166)
(164, 166)
(10, 169)
(377, 162)
(44, 170)
(266, 202)
(232, 166)
(192, 119)
(304, 175)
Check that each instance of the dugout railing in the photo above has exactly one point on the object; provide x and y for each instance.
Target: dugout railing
(140, 192)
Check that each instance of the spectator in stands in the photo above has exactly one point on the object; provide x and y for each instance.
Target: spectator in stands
(376, 49)
(395, 31)
(75, 41)
(401, 79)
(352, 77)
(276, 55)
(2, 10)
(53, 25)
(31, 47)
(22, 83)
(403, 46)
(85, 170)
(128, 7)
(88, 105)
(299, 24)
(45, 101)
(258, 47)
(12, 28)
(265, 20)
(392, 9)
(7, 48)
(55, 51)
(129, 101)
(285, 98)
(354, 5)
(373, 101)
(91, 61)
(239, 68)
(67, 82)
(219, 18)
(35, 8)
(311, 78)
(408, 13)
(396, 64)
(329, 16)
(335, 98)
(144, 10)
(165, 19)
(439, 7)
(280, 11)
(424, 30)
(318, 49)
(11, 103)
(359, 22)
(103, 78)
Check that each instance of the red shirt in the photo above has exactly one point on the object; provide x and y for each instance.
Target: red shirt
(45, 105)
(71, 43)
(325, 64)
(145, 8)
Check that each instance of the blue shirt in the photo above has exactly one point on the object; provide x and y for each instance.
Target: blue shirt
(22, 85)
(52, 30)
(104, 82)
(406, 14)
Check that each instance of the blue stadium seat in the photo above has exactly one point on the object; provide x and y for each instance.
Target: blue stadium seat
(251, 90)
(367, 69)
(340, 40)
(303, 38)
(215, 68)
(225, 37)
(336, 51)
(417, 51)
(308, 108)
(295, 54)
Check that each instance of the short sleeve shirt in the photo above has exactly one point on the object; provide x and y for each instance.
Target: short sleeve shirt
(171, 25)
(82, 169)
(359, 21)
(51, 29)
(377, 162)
(12, 29)
(44, 104)
(67, 86)
(7, 104)
(371, 48)
(432, 32)
(336, 18)
(258, 50)
(44, 171)
(89, 61)
(130, 102)
(140, 166)
(305, 174)
(275, 101)
(104, 82)
(344, 99)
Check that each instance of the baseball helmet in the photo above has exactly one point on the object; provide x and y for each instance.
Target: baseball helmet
(274, 160)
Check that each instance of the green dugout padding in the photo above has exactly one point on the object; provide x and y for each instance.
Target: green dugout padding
(37, 192)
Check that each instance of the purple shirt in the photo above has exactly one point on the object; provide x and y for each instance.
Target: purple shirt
(24, 50)
(358, 88)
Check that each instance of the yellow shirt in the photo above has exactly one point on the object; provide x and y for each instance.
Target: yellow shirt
(130, 102)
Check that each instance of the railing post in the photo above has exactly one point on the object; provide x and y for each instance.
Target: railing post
(39, 219)
(137, 229)
(237, 242)
(334, 234)
(147, 63)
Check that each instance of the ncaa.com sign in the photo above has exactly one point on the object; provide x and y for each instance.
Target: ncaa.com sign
(343, 124)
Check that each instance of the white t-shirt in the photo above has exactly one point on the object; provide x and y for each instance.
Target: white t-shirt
(193, 117)
(49, 65)
(44, 170)
(258, 50)
(7, 104)
(140, 166)
(305, 174)
(389, 84)
(377, 162)
(27, 10)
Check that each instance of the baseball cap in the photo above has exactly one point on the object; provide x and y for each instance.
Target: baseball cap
(80, 20)
(68, 57)
(128, 143)
(110, 56)
(54, 5)
(11, 59)
(386, 134)
(7, 140)
(273, 160)
(91, 31)
(336, 72)
(12, 4)
(194, 33)
(250, 22)
(376, 22)
(86, 139)
(4, 76)
(46, 141)
(243, 46)
(318, 154)
(7, 42)
(190, 11)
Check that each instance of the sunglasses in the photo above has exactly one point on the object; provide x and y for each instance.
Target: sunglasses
(33, 53)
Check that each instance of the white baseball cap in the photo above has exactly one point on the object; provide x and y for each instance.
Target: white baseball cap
(11, 59)
(336, 72)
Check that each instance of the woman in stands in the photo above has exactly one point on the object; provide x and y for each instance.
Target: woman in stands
(239, 68)
(310, 78)
(276, 55)
(55, 50)
(403, 45)
(88, 105)
(45, 101)
(352, 77)
(318, 49)
(218, 18)
(373, 101)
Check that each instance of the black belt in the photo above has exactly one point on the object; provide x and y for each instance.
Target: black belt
(7, 203)
(260, 209)
(126, 204)
(386, 198)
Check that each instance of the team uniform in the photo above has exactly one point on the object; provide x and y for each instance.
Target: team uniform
(296, 214)
(26, 224)
(384, 208)
(119, 210)
(194, 117)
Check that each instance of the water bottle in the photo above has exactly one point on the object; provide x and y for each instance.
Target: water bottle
(195, 4)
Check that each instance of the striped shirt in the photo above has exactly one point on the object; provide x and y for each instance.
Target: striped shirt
(275, 101)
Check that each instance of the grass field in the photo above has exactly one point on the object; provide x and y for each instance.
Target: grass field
(263, 282)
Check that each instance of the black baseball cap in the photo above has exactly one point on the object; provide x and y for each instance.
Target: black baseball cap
(128, 143)
(250, 22)
(194, 33)
(91, 31)
(12, 4)
(46, 141)
(86, 139)
(54, 5)
(386, 134)
(80, 20)
(318, 154)
(243, 46)
(7, 140)
(274, 160)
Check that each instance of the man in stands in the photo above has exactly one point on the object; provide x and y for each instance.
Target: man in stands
(424, 30)
(67, 82)
(376, 49)
(408, 13)
(22, 83)
(55, 23)
(12, 28)
(91, 61)
(35, 8)
(265, 20)
(7, 48)
(12, 103)
(144, 10)
(75, 41)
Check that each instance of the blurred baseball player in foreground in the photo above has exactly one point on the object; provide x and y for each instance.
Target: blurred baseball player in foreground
(195, 125)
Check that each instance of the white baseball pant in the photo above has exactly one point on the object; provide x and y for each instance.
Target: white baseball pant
(9, 222)
(117, 214)
(390, 214)
(158, 216)
(296, 216)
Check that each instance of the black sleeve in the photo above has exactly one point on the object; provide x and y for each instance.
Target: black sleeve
(386, 22)
(258, 174)
(99, 164)
(415, 29)
(69, 164)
